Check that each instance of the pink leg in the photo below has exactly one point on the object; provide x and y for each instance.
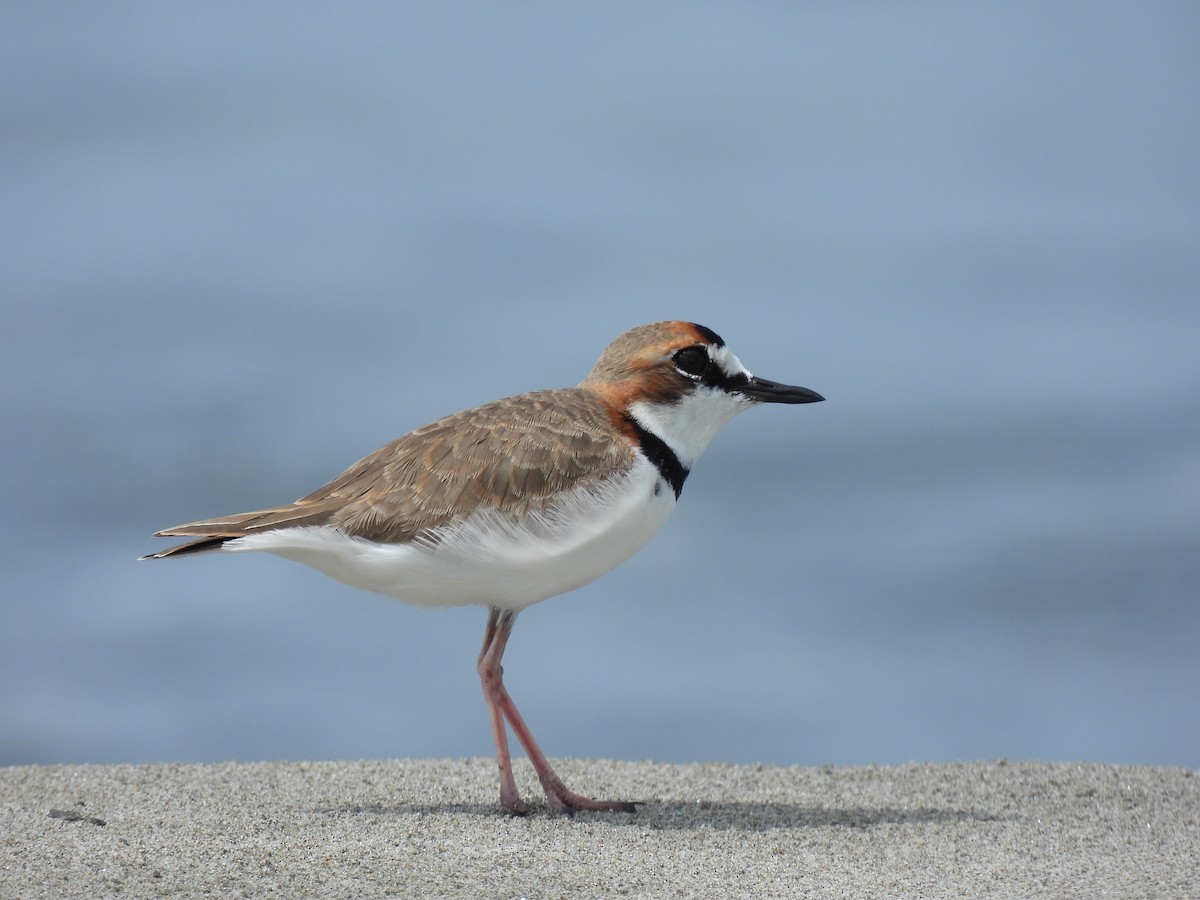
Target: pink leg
(501, 707)
(490, 674)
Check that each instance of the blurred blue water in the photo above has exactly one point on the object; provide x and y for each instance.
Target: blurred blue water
(242, 246)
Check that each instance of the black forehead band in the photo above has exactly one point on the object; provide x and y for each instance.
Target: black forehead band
(709, 335)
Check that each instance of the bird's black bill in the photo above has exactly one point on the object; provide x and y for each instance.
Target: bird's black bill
(773, 392)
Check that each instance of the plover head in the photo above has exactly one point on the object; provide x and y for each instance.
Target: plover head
(681, 383)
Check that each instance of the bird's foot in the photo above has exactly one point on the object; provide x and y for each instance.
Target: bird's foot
(567, 802)
(510, 800)
(514, 808)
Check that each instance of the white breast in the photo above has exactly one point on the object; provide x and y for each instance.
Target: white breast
(487, 560)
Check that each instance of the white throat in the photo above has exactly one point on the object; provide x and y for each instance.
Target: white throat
(688, 426)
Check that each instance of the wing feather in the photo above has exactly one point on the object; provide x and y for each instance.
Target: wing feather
(512, 455)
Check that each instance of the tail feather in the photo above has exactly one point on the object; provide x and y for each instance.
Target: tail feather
(201, 546)
(212, 534)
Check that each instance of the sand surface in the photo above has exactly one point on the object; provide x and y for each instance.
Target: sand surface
(432, 828)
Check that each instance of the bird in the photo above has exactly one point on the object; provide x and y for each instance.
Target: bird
(516, 501)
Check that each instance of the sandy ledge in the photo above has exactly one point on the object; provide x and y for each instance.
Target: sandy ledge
(431, 828)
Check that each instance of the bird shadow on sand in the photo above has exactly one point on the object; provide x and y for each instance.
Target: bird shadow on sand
(685, 816)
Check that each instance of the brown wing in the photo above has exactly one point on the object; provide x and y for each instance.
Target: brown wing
(512, 455)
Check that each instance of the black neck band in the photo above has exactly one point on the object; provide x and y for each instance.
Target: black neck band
(663, 457)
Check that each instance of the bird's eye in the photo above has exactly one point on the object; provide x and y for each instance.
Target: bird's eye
(692, 361)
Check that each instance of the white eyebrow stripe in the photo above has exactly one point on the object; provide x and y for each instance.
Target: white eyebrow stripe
(730, 364)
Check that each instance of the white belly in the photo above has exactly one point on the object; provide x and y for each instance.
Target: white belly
(486, 560)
